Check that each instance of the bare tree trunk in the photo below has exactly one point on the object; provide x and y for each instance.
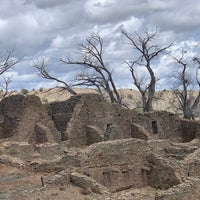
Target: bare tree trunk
(149, 103)
(147, 53)
(98, 74)
(42, 68)
(187, 102)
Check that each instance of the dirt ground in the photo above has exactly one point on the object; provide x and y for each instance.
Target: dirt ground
(19, 184)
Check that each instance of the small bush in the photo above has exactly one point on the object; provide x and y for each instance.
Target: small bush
(130, 96)
(24, 91)
(139, 110)
(44, 100)
(139, 104)
(41, 89)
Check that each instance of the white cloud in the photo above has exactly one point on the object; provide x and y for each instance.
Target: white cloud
(159, 5)
(132, 24)
(57, 42)
(3, 24)
(54, 28)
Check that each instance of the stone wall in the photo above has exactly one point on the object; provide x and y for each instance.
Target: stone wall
(117, 164)
(190, 130)
(87, 119)
(107, 121)
(24, 119)
(111, 121)
(61, 113)
(162, 173)
(161, 124)
(188, 190)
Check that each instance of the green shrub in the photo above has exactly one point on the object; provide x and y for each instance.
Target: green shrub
(129, 96)
(139, 110)
(44, 100)
(24, 91)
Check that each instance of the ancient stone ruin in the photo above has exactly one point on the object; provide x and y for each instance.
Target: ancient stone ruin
(24, 119)
(101, 146)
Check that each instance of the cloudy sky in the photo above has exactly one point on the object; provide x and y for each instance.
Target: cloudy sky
(53, 29)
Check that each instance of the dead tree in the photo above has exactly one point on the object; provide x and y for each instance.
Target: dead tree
(7, 61)
(97, 72)
(147, 52)
(90, 80)
(187, 101)
(43, 72)
(5, 87)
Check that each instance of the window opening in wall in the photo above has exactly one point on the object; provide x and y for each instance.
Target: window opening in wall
(63, 136)
(154, 127)
(106, 178)
(126, 175)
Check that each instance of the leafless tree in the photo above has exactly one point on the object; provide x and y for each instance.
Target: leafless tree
(7, 61)
(147, 53)
(97, 73)
(41, 66)
(186, 98)
(5, 87)
(90, 80)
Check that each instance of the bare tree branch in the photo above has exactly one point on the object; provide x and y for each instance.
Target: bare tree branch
(42, 68)
(147, 52)
(98, 73)
(187, 102)
(5, 87)
(7, 61)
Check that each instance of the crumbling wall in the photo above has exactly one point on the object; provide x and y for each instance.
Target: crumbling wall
(87, 119)
(106, 121)
(10, 113)
(190, 130)
(117, 164)
(192, 164)
(161, 173)
(188, 190)
(161, 124)
(61, 113)
(24, 119)
(111, 121)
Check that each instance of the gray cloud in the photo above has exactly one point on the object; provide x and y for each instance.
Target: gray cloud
(46, 3)
(54, 28)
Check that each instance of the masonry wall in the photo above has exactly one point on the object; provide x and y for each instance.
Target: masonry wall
(117, 164)
(106, 121)
(189, 190)
(161, 125)
(24, 119)
(87, 119)
(61, 113)
(114, 122)
(190, 130)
